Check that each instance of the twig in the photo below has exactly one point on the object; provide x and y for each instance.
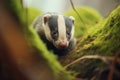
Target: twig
(104, 59)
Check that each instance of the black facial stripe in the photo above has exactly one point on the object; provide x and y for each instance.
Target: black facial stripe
(69, 24)
(53, 25)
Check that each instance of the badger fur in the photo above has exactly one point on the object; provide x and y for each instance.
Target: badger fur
(57, 31)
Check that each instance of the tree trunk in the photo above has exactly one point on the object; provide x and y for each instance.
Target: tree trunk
(97, 51)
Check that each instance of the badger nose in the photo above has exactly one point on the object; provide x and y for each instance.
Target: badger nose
(63, 45)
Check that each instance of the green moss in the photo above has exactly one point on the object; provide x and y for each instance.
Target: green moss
(104, 38)
(89, 16)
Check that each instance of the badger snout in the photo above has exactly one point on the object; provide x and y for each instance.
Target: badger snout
(62, 45)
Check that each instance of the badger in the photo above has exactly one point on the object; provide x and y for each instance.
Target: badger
(56, 31)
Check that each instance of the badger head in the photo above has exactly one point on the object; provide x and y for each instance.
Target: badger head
(58, 29)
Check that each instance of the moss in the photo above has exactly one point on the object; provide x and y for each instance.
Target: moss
(105, 36)
(89, 16)
(102, 39)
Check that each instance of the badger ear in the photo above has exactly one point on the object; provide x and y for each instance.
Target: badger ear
(46, 18)
(72, 18)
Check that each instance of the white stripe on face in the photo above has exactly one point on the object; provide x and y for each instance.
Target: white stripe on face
(62, 39)
(61, 28)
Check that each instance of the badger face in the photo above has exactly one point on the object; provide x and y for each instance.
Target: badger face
(59, 30)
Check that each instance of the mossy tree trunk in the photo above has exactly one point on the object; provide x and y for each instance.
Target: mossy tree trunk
(93, 56)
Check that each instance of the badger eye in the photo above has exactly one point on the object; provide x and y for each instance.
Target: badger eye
(54, 35)
(68, 33)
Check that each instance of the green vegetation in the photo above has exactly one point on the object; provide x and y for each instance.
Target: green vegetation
(104, 38)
